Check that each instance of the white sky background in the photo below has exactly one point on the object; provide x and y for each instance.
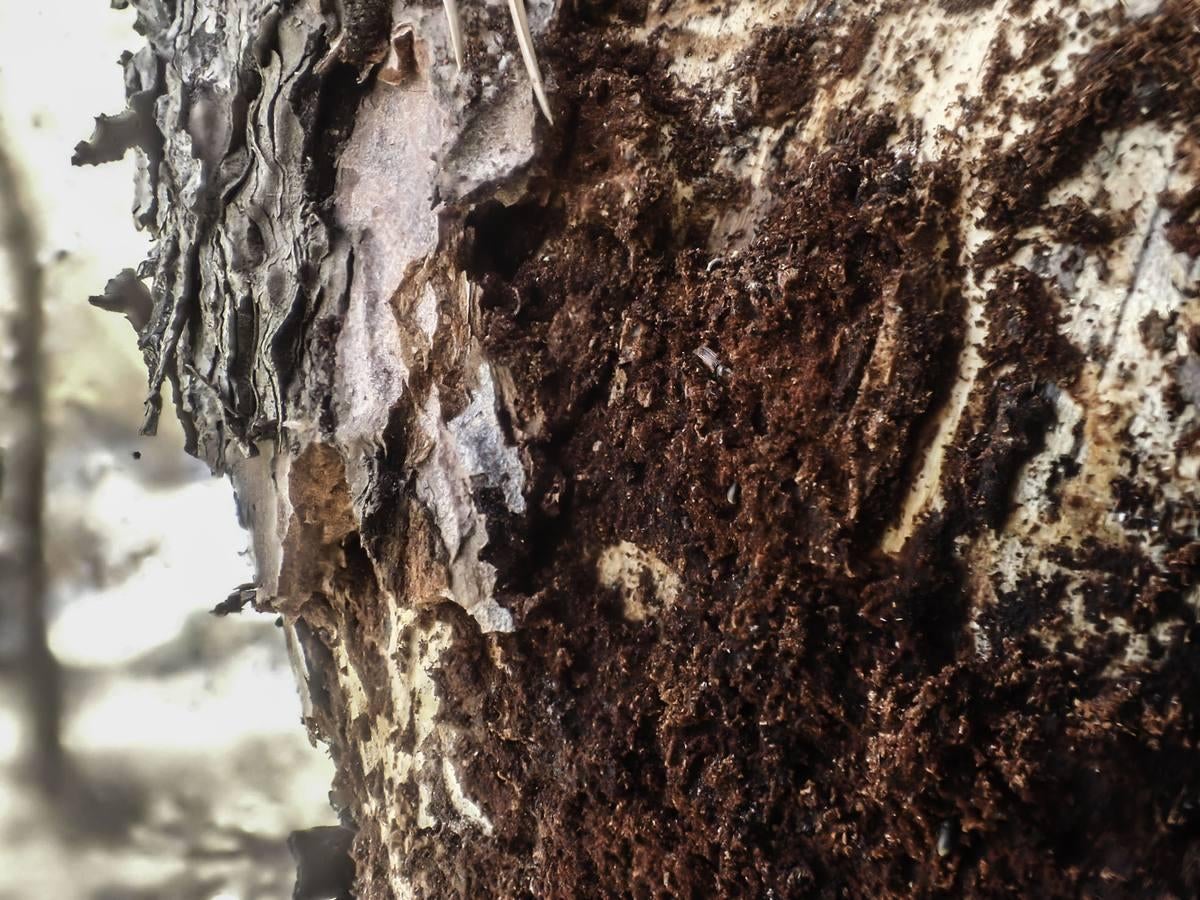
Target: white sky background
(138, 549)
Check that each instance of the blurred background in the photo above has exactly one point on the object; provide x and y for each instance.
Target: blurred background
(147, 748)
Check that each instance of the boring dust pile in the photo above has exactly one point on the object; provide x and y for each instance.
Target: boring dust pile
(776, 477)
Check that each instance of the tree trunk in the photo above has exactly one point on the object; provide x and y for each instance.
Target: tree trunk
(776, 477)
(22, 483)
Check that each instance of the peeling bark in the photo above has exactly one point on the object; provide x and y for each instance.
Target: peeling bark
(776, 478)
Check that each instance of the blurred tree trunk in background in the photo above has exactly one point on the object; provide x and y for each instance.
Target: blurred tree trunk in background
(22, 480)
(776, 477)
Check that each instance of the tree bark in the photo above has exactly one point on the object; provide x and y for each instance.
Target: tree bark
(775, 478)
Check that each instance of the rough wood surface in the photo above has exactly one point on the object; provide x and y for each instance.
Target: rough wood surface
(776, 478)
